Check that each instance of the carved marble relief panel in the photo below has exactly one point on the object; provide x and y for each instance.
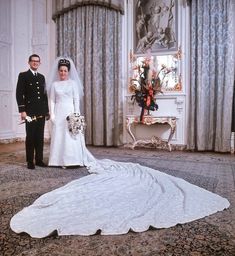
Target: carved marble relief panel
(155, 25)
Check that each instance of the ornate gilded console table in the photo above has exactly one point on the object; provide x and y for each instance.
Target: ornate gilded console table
(150, 120)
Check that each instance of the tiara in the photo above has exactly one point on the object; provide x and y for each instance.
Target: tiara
(64, 62)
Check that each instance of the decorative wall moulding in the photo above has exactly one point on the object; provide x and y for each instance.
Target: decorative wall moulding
(180, 104)
(40, 40)
(5, 38)
(155, 26)
(5, 53)
(6, 108)
(178, 54)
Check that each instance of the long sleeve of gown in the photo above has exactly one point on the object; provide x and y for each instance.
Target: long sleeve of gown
(76, 99)
(52, 102)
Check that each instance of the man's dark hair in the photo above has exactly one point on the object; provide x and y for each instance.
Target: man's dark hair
(33, 55)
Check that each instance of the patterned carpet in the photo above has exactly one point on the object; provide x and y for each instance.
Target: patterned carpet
(19, 187)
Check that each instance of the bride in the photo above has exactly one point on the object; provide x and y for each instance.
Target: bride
(67, 148)
(116, 197)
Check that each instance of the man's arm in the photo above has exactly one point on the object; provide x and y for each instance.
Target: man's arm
(20, 93)
(20, 96)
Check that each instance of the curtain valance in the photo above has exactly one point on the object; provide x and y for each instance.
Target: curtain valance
(62, 6)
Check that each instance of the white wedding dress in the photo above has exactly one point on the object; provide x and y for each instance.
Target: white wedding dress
(116, 197)
(64, 149)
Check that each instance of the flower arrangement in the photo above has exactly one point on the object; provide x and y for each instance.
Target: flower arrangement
(76, 124)
(145, 83)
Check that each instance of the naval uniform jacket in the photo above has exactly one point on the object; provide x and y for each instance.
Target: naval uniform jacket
(31, 94)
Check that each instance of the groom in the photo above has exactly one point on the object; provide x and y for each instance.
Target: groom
(32, 103)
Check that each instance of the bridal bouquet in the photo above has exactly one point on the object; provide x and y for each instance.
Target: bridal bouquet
(76, 124)
(145, 83)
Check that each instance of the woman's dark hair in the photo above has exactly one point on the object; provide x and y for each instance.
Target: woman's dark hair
(64, 62)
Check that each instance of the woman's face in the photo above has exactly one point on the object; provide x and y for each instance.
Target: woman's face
(63, 73)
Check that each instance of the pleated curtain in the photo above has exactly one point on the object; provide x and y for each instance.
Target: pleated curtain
(212, 75)
(91, 36)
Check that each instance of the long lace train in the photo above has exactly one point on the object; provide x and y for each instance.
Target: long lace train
(115, 198)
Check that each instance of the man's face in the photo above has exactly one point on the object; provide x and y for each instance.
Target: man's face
(34, 63)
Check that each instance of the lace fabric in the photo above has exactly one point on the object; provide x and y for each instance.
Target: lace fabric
(115, 198)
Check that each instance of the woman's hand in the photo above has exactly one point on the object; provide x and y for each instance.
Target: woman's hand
(52, 118)
(47, 117)
(23, 115)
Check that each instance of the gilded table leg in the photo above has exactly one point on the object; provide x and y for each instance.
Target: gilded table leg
(172, 124)
(128, 127)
